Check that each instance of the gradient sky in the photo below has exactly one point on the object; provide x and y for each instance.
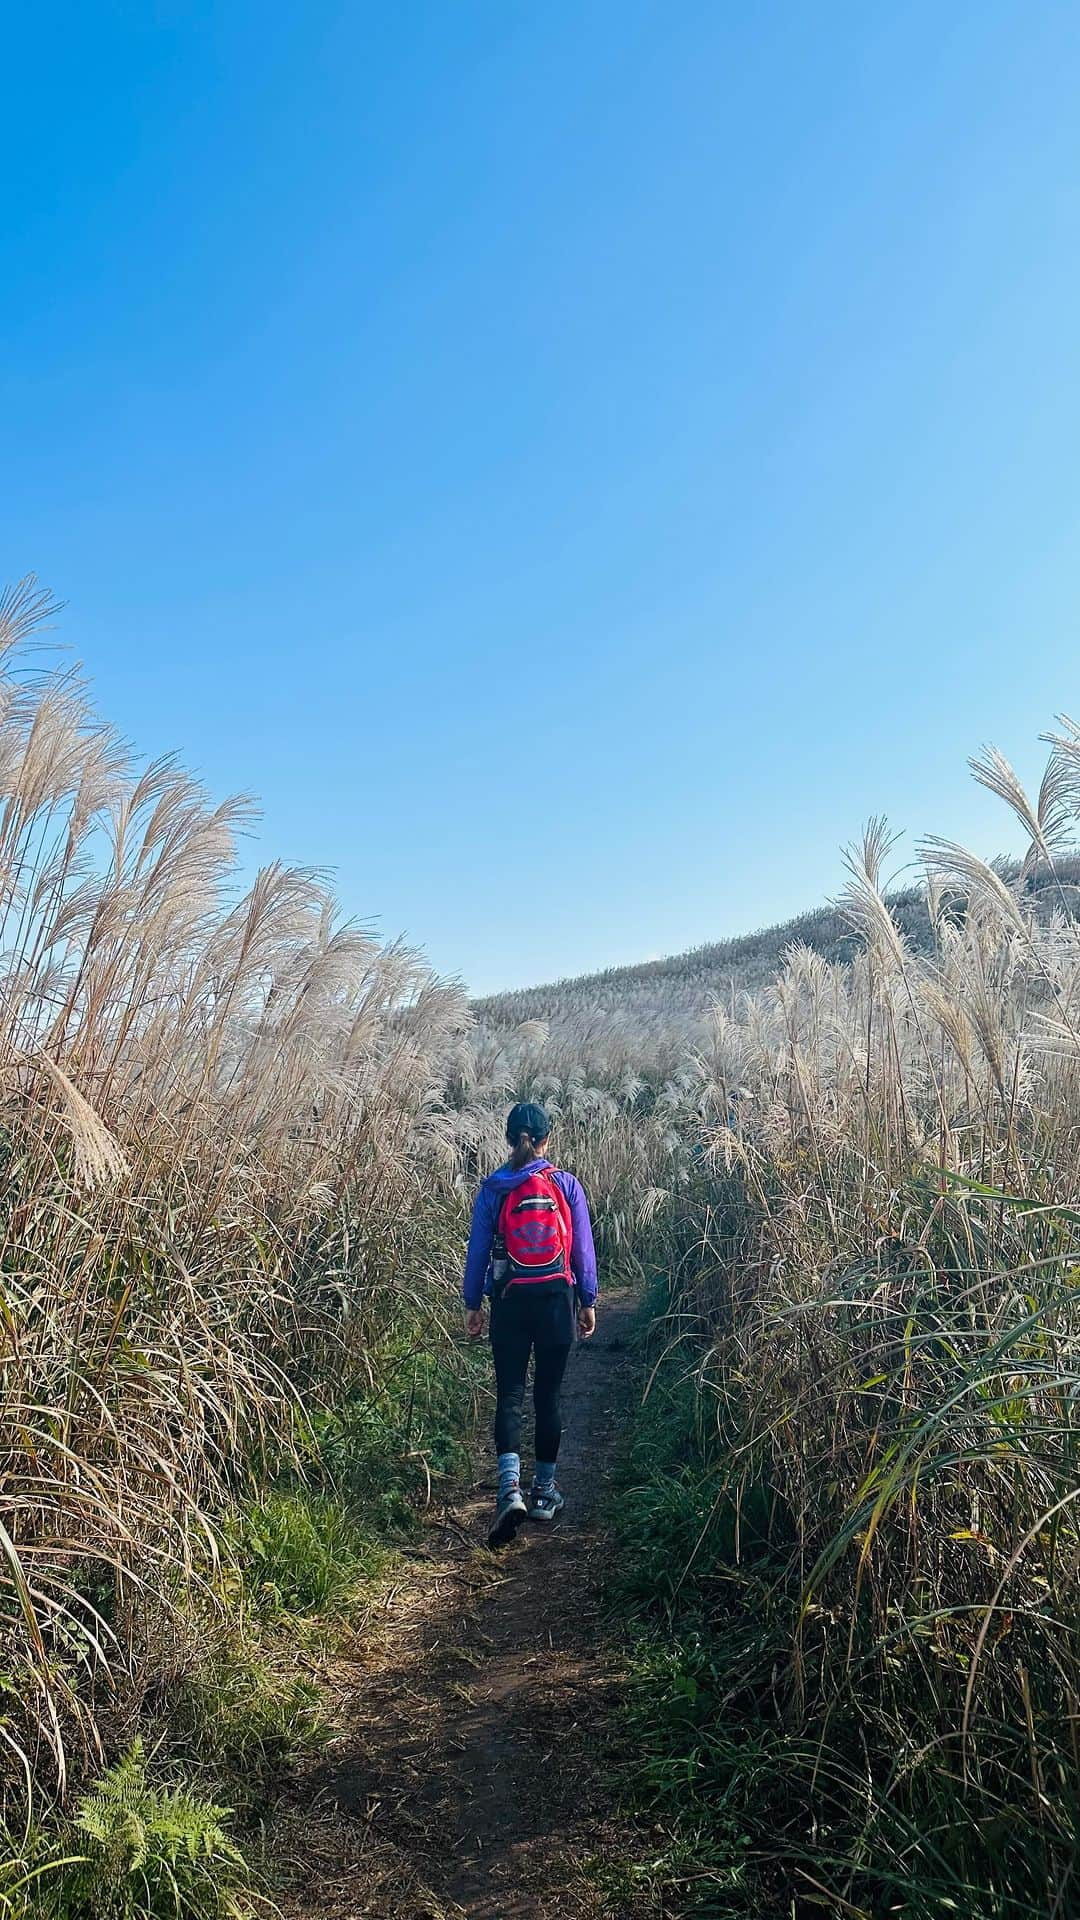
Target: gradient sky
(573, 461)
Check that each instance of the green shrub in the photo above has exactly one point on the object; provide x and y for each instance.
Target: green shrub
(143, 1852)
(302, 1554)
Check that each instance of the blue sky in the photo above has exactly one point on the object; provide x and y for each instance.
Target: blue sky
(638, 437)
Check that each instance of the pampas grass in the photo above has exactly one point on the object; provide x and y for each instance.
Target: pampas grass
(210, 1101)
(890, 1340)
(861, 1182)
(236, 1138)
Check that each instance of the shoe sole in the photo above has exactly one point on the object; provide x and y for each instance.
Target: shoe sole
(504, 1530)
(545, 1519)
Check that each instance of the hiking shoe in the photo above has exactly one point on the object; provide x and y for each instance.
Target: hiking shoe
(509, 1514)
(545, 1503)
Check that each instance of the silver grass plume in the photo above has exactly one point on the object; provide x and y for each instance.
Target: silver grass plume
(1047, 823)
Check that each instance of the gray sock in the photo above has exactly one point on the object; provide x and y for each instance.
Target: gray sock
(509, 1473)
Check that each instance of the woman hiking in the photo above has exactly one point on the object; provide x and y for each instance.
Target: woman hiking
(531, 1250)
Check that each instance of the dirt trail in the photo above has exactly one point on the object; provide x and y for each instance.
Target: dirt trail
(467, 1775)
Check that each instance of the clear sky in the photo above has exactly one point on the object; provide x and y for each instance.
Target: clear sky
(574, 460)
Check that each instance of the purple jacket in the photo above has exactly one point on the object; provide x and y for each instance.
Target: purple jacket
(485, 1220)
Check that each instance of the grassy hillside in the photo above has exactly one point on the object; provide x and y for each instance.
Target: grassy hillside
(667, 1001)
(681, 987)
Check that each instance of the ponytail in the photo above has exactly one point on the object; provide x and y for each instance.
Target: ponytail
(522, 1151)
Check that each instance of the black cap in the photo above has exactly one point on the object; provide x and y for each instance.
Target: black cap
(527, 1118)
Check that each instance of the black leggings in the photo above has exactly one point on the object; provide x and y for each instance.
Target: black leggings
(524, 1322)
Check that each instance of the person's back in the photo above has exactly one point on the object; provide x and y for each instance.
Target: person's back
(531, 1253)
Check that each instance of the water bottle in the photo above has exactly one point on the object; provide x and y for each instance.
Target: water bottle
(500, 1266)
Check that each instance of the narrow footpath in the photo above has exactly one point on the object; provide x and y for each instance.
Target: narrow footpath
(467, 1774)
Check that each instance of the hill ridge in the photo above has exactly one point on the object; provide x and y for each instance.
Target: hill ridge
(739, 960)
(671, 996)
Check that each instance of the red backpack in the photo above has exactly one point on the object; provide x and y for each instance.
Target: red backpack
(535, 1225)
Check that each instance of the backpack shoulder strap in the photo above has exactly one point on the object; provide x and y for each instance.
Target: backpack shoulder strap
(563, 1205)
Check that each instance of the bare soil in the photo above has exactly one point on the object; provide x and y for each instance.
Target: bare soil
(468, 1776)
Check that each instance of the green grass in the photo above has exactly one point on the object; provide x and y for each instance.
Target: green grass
(302, 1554)
(388, 1443)
(304, 1557)
(245, 1716)
(757, 1790)
(235, 1709)
(698, 1765)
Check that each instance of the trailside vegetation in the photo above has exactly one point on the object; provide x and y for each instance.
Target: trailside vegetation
(850, 1518)
(230, 1235)
(237, 1142)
